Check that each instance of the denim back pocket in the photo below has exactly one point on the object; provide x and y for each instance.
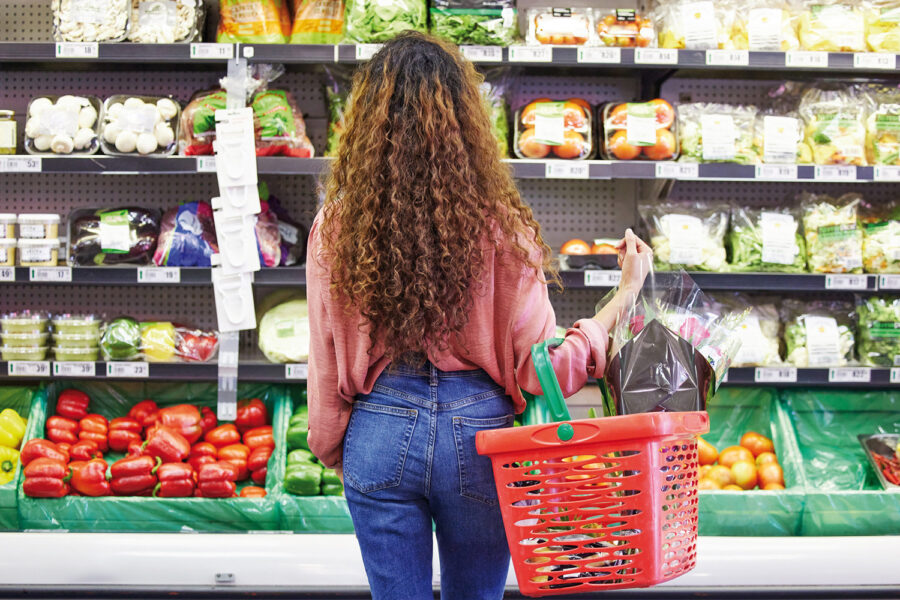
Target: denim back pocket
(476, 479)
(376, 445)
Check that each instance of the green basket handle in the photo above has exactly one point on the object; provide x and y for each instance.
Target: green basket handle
(547, 378)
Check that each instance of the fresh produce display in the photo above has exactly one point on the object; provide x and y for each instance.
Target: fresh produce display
(642, 130)
(832, 26)
(477, 22)
(767, 239)
(834, 239)
(78, 21)
(142, 124)
(561, 128)
(318, 22)
(12, 430)
(879, 331)
(578, 254)
(62, 125)
(376, 21)
(835, 124)
(112, 236)
(695, 25)
(166, 22)
(187, 236)
(124, 338)
(883, 451)
(253, 22)
(292, 234)
(883, 127)
(881, 237)
(818, 334)
(560, 26)
(765, 26)
(691, 236)
(24, 336)
(624, 28)
(717, 133)
(284, 332)
(752, 465)
(197, 128)
(779, 139)
(304, 475)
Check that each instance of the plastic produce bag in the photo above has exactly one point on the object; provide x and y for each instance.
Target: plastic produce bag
(766, 239)
(834, 240)
(883, 127)
(560, 26)
(253, 22)
(121, 339)
(279, 126)
(318, 22)
(481, 23)
(879, 331)
(284, 332)
(112, 236)
(687, 235)
(563, 128)
(268, 237)
(62, 125)
(765, 26)
(187, 237)
(779, 139)
(197, 129)
(376, 21)
(717, 133)
(881, 237)
(624, 28)
(883, 25)
(139, 124)
(694, 25)
(166, 21)
(337, 92)
(832, 25)
(759, 330)
(292, 233)
(90, 20)
(835, 124)
(818, 334)
(492, 90)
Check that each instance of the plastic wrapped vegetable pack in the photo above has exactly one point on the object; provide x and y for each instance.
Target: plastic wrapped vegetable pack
(376, 21)
(717, 133)
(687, 235)
(80, 21)
(318, 22)
(166, 21)
(835, 125)
(560, 26)
(881, 238)
(879, 331)
(563, 128)
(492, 91)
(62, 125)
(832, 26)
(624, 28)
(284, 332)
(883, 26)
(818, 334)
(197, 129)
(293, 234)
(694, 25)
(766, 240)
(337, 92)
(883, 128)
(639, 130)
(759, 331)
(187, 237)
(482, 23)
(765, 26)
(834, 238)
(121, 339)
(779, 139)
(279, 126)
(254, 22)
(139, 124)
(112, 236)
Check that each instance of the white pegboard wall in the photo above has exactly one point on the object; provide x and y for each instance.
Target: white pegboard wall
(593, 88)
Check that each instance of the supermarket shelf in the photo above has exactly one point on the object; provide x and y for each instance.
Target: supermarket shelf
(856, 377)
(253, 370)
(279, 276)
(139, 165)
(116, 53)
(770, 282)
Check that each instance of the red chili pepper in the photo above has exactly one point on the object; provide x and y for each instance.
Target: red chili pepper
(124, 431)
(145, 412)
(96, 428)
(183, 418)
(252, 491)
(223, 435)
(259, 436)
(61, 429)
(89, 478)
(258, 464)
(167, 444)
(176, 480)
(216, 481)
(46, 478)
(134, 475)
(202, 453)
(38, 448)
(85, 450)
(72, 404)
(250, 414)
(236, 454)
(208, 420)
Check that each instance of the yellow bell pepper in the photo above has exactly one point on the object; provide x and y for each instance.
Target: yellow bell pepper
(158, 341)
(12, 428)
(9, 458)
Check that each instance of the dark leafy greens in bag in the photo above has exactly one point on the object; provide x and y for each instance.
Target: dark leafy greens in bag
(376, 21)
(489, 23)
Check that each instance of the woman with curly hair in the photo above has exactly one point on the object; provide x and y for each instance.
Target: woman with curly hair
(426, 291)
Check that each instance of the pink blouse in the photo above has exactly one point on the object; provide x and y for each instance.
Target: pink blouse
(513, 314)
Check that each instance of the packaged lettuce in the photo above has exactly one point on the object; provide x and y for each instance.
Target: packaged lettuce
(879, 331)
(883, 25)
(835, 124)
(778, 138)
(759, 330)
(377, 21)
(881, 238)
(337, 91)
(883, 128)
(766, 239)
(492, 90)
(765, 25)
(832, 26)
(694, 25)
(717, 133)
(818, 334)
(689, 236)
(484, 23)
(833, 236)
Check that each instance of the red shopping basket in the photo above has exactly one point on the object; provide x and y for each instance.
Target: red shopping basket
(596, 504)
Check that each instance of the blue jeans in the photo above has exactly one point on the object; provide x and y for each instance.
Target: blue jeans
(410, 459)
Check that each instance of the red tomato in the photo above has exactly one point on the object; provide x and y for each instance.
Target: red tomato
(756, 443)
(665, 114)
(603, 249)
(770, 473)
(575, 246)
(706, 452)
(527, 114)
(582, 103)
(617, 117)
(664, 147)
(734, 454)
(573, 145)
(531, 148)
(574, 116)
(621, 149)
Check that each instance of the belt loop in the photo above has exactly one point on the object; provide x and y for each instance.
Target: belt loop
(433, 374)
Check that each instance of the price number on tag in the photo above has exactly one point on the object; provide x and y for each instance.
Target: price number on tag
(367, 51)
(77, 50)
(655, 56)
(600, 55)
(835, 172)
(206, 164)
(846, 282)
(776, 172)
(51, 274)
(7, 274)
(482, 53)
(75, 369)
(159, 275)
(871, 60)
(602, 278)
(561, 169)
(677, 170)
(296, 371)
(21, 164)
(728, 58)
(128, 369)
(887, 173)
(28, 368)
(850, 375)
(802, 59)
(530, 54)
(775, 375)
(889, 282)
(203, 51)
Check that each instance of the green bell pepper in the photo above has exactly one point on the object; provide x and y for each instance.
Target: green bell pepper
(300, 457)
(332, 490)
(331, 483)
(303, 479)
(298, 429)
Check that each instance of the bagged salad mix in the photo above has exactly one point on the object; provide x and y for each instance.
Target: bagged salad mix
(766, 239)
(879, 331)
(883, 127)
(337, 93)
(376, 21)
(492, 91)
(881, 237)
(779, 138)
(254, 22)
(759, 331)
(883, 25)
(834, 239)
(688, 235)
(318, 22)
(818, 334)
(717, 133)
(480, 23)
(834, 120)
(832, 26)
(695, 25)
(765, 26)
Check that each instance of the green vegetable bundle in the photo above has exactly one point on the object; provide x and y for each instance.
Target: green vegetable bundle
(489, 23)
(881, 238)
(766, 240)
(818, 334)
(834, 239)
(377, 21)
(879, 331)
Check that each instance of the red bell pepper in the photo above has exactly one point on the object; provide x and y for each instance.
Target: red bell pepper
(183, 418)
(72, 404)
(46, 478)
(223, 435)
(176, 480)
(134, 475)
(167, 444)
(216, 480)
(258, 463)
(124, 431)
(259, 436)
(202, 453)
(250, 414)
(85, 450)
(61, 429)
(37, 448)
(208, 420)
(95, 428)
(197, 346)
(89, 477)
(236, 454)
(136, 448)
(252, 491)
(145, 412)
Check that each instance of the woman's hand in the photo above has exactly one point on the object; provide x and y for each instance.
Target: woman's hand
(635, 259)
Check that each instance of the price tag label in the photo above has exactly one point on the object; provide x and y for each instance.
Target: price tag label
(776, 172)
(21, 164)
(367, 51)
(159, 275)
(296, 371)
(655, 56)
(775, 375)
(50, 274)
(75, 369)
(849, 375)
(77, 50)
(887, 173)
(205, 51)
(7, 274)
(133, 370)
(602, 278)
(566, 169)
(889, 282)
(482, 53)
(871, 60)
(607, 56)
(206, 164)
(846, 282)
(28, 368)
(802, 59)
(530, 54)
(835, 172)
(895, 375)
(728, 58)
(666, 170)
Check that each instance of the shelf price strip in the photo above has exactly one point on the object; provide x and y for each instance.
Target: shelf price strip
(128, 369)
(206, 51)
(775, 375)
(296, 371)
(889, 282)
(75, 369)
(846, 282)
(667, 170)
(367, 51)
(886, 173)
(52, 274)
(482, 53)
(77, 50)
(159, 275)
(655, 56)
(871, 60)
(21, 164)
(602, 278)
(776, 172)
(28, 368)
(804, 59)
(7, 274)
(592, 55)
(566, 169)
(895, 375)
(537, 54)
(849, 375)
(835, 173)
(728, 58)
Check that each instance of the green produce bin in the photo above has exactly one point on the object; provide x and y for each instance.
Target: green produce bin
(21, 400)
(132, 514)
(307, 514)
(843, 493)
(733, 412)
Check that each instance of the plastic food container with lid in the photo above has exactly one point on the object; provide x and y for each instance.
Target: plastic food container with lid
(32, 339)
(14, 353)
(80, 21)
(23, 322)
(76, 354)
(143, 125)
(76, 340)
(7, 225)
(84, 324)
(7, 132)
(62, 125)
(38, 226)
(7, 252)
(38, 253)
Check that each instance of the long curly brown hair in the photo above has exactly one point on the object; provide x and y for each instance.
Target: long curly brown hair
(416, 195)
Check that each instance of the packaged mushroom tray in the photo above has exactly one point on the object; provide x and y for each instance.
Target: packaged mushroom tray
(90, 20)
(166, 21)
(142, 125)
(62, 125)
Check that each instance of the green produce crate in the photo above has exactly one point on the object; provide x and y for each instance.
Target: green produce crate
(843, 493)
(21, 400)
(126, 513)
(732, 412)
(307, 514)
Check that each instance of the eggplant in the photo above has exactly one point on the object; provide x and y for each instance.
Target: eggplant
(85, 243)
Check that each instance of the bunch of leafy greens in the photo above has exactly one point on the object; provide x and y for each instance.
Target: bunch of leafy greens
(490, 23)
(377, 21)
(879, 331)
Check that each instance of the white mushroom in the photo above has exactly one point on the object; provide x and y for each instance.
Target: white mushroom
(146, 143)
(39, 105)
(115, 111)
(164, 134)
(32, 128)
(84, 138)
(126, 141)
(134, 103)
(62, 144)
(167, 108)
(42, 142)
(87, 117)
(111, 132)
(71, 103)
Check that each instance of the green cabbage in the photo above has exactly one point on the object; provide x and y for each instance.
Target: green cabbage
(284, 332)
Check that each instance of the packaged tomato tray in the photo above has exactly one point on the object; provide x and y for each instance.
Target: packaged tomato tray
(548, 128)
(639, 131)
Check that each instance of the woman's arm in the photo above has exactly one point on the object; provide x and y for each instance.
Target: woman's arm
(635, 258)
